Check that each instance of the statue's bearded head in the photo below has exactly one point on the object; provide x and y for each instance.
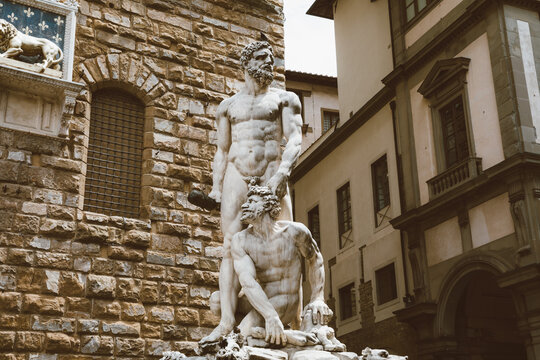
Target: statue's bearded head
(257, 59)
(260, 200)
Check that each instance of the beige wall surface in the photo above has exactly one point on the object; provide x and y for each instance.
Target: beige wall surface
(427, 22)
(443, 241)
(351, 162)
(491, 220)
(364, 44)
(483, 115)
(321, 97)
(483, 104)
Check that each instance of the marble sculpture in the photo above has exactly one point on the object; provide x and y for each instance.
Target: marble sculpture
(260, 284)
(14, 43)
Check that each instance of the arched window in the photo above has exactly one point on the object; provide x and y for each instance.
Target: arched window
(113, 176)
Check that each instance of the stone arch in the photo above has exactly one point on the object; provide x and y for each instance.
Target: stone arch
(454, 286)
(125, 72)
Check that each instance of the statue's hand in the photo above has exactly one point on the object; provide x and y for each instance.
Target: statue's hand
(275, 333)
(278, 184)
(321, 314)
(216, 195)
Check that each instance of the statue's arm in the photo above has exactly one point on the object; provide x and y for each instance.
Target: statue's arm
(314, 261)
(291, 122)
(315, 271)
(223, 145)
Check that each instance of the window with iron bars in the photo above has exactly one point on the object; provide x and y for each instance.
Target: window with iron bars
(113, 177)
(344, 215)
(381, 189)
(314, 224)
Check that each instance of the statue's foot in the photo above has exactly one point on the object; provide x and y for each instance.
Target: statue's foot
(216, 334)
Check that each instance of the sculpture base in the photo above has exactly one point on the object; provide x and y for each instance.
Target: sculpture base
(234, 347)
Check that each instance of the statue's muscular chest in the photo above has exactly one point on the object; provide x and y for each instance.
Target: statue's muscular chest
(270, 254)
(262, 107)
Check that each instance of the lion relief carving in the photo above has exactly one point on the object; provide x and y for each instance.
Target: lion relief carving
(14, 43)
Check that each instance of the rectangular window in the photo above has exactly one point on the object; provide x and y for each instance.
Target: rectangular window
(386, 284)
(454, 131)
(415, 7)
(313, 225)
(381, 189)
(330, 118)
(347, 302)
(344, 215)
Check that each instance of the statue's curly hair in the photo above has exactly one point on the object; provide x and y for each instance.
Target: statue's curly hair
(271, 202)
(248, 51)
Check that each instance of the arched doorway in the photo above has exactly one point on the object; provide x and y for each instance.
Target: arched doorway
(482, 319)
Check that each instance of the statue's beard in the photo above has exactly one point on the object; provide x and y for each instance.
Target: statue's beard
(262, 77)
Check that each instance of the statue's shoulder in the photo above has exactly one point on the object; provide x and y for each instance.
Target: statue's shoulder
(293, 227)
(288, 98)
(225, 104)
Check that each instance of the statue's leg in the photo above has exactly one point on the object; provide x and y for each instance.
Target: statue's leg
(234, 195)
(13, 52)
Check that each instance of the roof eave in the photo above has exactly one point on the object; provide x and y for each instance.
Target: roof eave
(322, 8)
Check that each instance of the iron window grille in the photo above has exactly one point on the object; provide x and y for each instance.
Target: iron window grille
(113, 177)
(330, 118)
(347, 302)
(314, 225)
(386, 284)
(344, 216)
(381, 189)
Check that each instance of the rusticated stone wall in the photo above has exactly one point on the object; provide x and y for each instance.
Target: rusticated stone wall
(81, 285)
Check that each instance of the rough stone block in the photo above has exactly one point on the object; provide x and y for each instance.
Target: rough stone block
(129, 347)
(47, 305)
(106, 309)
(157, 347)
(133, 311)
(121, 328)
(128, 289)
(86, 232)
(29, 341)
(66, 325)
(161, 314)
(88, 326)
(7, 340)
(97, 345)
(186, 316)
(101, 286)
(10, 302)
(137, 238)
(174, 294)
(58, 342)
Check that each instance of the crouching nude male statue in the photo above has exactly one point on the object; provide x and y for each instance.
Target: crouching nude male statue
(250, 128)
(267, 260)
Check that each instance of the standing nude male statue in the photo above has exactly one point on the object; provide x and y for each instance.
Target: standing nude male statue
(267, 259)
(250, 128)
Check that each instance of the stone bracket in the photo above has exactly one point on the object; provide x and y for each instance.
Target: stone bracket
(36, 102)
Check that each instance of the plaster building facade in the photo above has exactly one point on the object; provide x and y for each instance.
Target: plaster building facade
(101, 255)
(462, 80)
(320, 107)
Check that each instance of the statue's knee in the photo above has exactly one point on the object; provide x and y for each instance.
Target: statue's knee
(215, 303)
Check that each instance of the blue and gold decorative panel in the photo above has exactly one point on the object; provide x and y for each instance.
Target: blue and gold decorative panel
(36, 22)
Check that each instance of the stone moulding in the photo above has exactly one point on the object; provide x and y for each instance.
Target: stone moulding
(34, 102)
(67, 9)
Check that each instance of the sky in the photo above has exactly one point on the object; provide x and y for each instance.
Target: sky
(309, 40)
